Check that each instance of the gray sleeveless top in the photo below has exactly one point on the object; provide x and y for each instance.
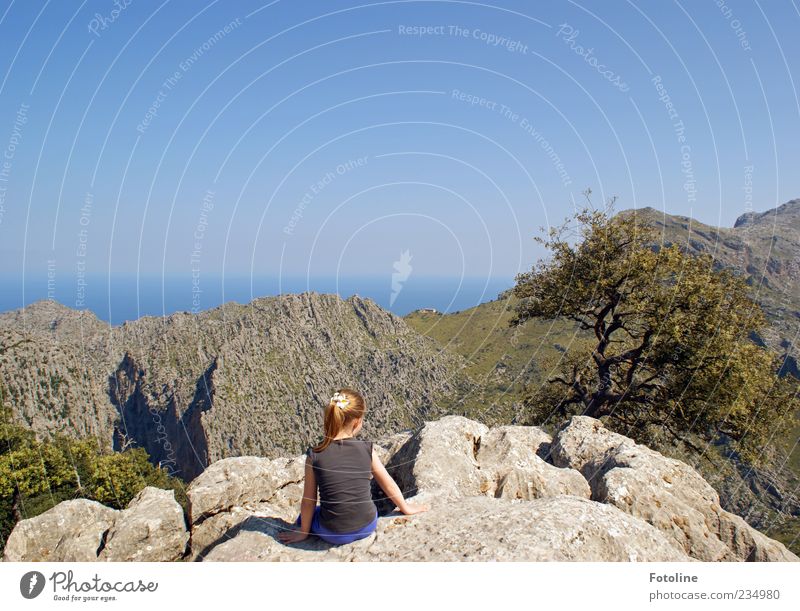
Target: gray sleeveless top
(343, 472)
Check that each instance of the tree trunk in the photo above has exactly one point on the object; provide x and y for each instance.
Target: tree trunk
(15, 506)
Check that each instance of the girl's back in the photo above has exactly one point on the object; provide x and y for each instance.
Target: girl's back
(343, 472)
(340, 475)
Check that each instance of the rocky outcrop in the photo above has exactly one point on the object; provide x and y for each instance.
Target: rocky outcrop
(512, 465)
(662, 491)
(455, 457)
(440, 459)
(72, 531)
(501, 493)
(492, 495)
(231, 490)
(151, 528)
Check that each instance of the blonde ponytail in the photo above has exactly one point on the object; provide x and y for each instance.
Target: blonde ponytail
(346, 405)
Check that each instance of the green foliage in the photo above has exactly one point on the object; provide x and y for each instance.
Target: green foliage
(37, 475)
(668, 348)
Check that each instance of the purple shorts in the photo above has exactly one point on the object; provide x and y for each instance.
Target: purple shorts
(338, 538)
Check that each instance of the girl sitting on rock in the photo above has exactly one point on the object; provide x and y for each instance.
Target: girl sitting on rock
(341, 467)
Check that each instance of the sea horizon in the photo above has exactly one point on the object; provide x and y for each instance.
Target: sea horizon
(126, 297)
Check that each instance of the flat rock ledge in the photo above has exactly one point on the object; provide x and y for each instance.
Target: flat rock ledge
(557, 528)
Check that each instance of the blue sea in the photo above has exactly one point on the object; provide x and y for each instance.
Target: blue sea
(124, 297)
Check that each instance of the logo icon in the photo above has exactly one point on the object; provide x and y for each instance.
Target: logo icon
(402, 271)
(31, 584)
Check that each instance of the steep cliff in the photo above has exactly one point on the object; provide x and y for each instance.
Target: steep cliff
(234, 380)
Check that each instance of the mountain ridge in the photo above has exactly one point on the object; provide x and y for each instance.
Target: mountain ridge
(181, 385)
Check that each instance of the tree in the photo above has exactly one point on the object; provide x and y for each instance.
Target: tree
(27, 467)
(663, 346)
(36, 475)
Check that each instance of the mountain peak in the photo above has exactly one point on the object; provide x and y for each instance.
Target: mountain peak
(788, 213)
(51, 316)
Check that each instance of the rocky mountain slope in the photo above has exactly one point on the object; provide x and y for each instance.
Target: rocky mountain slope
(234, 380)
(500, 493)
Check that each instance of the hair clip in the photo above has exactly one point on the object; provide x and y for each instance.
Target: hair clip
(340, 400)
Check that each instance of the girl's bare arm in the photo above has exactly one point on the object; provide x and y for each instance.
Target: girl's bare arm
(307, 506)
(390, 487)
(309, 502)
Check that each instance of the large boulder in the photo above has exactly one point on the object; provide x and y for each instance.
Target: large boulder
(510, 463)
(440, 459)
(236, 481)
(749, 544)
(151, 529)
(448, 459)
(667, 493)
(386, 447)
(231, 490)
(72, 531)
(561, 528)
(455, 457)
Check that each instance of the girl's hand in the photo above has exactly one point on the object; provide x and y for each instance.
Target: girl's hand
(292, 536)
(412, 509)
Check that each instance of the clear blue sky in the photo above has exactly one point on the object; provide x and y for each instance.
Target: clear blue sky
(348, 97)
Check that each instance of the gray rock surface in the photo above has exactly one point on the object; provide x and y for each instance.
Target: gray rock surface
(238, 481)
(151, 529)
(562, 528)
(512, 468)
(454, 457)
(440, 459)
(72, 531)
(662, 491)
(230, 490)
